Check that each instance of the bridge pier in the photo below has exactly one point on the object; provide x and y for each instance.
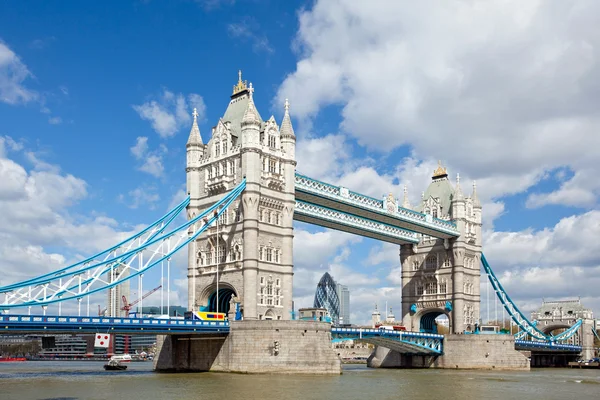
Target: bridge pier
(284, 347)
(460, 352)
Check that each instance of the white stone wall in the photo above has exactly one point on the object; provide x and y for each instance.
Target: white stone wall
(263, 233)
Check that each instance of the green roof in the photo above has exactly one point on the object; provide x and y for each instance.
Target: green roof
(235, 112)
(441, 189)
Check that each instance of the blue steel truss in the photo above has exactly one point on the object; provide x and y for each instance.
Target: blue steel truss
(416, 343)
(317, 189)
(142, 326)
(527, 327)
(335, 219)
(88, 277)
(546, 346)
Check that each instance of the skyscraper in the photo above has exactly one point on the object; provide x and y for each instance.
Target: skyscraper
(344, 296)
(115, 302)
(327, 297)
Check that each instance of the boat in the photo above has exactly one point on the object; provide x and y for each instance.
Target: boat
(12, 359)
(122, 358)
(114, 365)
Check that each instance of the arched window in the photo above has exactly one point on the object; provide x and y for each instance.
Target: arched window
(431, 262)
(272, 141)
(224, 146)
(435, 213)
(217, 149)
(269, 254)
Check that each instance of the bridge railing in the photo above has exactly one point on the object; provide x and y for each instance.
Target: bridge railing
(43, 322)
(344, 195)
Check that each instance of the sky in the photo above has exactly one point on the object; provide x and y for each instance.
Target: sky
(96, 102)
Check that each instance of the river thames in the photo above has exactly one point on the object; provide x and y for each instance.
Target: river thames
(88, 380)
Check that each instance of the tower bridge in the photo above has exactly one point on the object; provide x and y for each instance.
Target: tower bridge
(243, 195)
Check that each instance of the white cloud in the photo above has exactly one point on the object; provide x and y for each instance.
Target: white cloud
(248, 30)
(143, 195)
(152, 161)
(13, 74)
(170, 112)
(582, 190)
(35, 214)
(55, 120)
(502, 92)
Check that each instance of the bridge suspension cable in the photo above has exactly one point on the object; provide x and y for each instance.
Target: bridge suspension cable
(152, 230)
(88, 279)
(527, 327)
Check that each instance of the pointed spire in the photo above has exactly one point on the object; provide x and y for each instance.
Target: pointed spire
(287, 130)
(405, 203)
(474, 196)
(458, 194)
(250, 115)
(195, 137)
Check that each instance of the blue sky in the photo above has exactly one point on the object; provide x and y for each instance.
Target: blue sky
(95, 104)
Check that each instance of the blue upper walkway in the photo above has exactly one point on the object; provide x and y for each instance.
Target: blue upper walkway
(331, 206)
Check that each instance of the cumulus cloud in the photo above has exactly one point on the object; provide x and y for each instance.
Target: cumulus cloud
(143, 195)
(35, 215)
(13, 74)
(151, 161)
(171, 112)
(501, 89)
(248, 30)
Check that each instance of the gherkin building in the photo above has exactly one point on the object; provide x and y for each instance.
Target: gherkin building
(326, 296)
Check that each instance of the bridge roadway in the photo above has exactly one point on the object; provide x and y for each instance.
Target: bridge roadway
(547, 347)
(413, 343)
(336, 198)
(131, 326)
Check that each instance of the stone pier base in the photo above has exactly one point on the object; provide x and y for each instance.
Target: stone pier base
(460, 352)
(283, 347)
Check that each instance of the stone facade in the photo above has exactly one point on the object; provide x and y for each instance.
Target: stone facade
(253, 245)
(282, 347)
(554, 315)
(460, 352)
(442, 276)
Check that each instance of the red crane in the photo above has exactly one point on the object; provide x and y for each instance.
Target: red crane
(128, 306)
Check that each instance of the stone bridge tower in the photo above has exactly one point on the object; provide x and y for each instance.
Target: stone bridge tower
(441, 277)
(553, 316)
(253, 246)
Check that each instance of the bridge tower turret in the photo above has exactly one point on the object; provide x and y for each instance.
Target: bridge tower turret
(288, 167)
(252, 247)
(441, 276)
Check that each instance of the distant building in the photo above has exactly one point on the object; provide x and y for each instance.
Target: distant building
(344, 296)
(375, 317)
(313, 314)
(115, 302)
(327, 297)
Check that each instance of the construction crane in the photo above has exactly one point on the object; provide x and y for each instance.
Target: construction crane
(128, 306)
(101, 313)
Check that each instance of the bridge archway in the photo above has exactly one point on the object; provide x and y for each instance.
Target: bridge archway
(553, 328)
(427, 319)
(209, 297)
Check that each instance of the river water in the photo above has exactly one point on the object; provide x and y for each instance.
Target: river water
(69, 380)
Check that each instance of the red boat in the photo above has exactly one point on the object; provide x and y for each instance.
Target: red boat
(12, 359)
